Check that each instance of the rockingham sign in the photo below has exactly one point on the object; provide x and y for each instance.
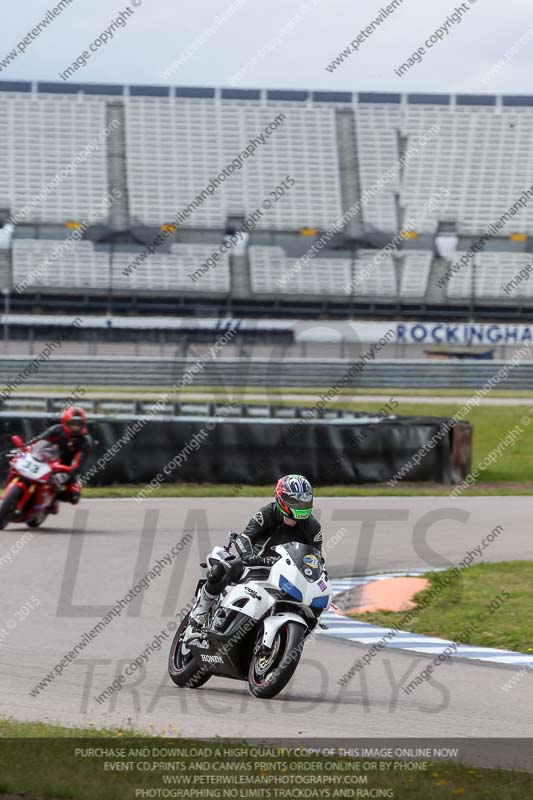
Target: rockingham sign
(426, 333)
(363, 332)
(463, 333)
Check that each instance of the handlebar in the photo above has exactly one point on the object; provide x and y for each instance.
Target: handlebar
(18, 442)
(61, 468)
(250, 561)
(259, 561)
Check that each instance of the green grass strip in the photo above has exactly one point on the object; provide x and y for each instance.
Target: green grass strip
(472, 608)
(51, 762)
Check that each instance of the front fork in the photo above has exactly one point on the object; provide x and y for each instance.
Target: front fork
(27, 489)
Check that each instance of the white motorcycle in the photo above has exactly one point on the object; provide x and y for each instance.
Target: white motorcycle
(256, 629)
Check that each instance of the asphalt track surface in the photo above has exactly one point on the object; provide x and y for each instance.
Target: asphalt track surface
(86, 558)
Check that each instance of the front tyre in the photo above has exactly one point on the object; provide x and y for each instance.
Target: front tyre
(182, 667)
(270, 671)
(36, 522)
(9, 503)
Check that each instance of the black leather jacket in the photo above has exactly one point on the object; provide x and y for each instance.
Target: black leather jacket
(267, 529)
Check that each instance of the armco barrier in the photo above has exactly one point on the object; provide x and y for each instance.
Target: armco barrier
(165, 372)
(254, 451)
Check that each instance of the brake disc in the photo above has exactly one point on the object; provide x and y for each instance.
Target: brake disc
(265, 661)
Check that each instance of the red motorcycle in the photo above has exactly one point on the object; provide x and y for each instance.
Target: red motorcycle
(35, 477)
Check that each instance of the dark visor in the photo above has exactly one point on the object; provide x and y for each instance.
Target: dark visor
(294, 502)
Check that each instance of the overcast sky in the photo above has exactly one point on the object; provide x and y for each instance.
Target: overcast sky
(278, 44)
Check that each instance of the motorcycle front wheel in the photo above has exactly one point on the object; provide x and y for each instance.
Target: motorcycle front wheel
(182, 668)
(37, 521)
(9, 503)
(270, 671)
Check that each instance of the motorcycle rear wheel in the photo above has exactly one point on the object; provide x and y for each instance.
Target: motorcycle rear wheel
(9, 503)
(270, 673)
(182, 668)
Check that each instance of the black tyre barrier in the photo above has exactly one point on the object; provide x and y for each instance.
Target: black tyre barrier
(366, 449)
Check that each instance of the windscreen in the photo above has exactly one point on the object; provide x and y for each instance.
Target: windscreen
(307, 559)
(45, 451)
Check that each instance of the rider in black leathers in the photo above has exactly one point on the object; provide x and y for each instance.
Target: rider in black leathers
(287, 519)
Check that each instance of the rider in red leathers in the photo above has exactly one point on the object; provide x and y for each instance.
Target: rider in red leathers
(75, 443)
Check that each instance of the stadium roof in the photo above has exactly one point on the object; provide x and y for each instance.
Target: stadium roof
(297, 96)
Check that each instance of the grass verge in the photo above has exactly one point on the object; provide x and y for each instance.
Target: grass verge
(366, 490)
(472, 608)
(58, 771)
(273, 391)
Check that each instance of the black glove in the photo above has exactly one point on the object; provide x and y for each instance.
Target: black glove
(243, 547)
(259, 561)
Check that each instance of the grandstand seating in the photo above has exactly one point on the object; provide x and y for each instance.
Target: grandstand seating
(415, 273)
(492, 271)
(175, 147)
(39, 137)
(85, 267)
(176, 144)
(481, 155)
(175, 140)
(329, 276)
(80, 267)
(268, 265)
(372, 277)
(163, 271)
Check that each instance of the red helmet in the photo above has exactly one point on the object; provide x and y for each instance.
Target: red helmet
(74, 421)
(294, 496)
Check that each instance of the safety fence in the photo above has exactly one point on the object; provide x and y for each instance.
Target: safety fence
(242, 450)
(164, 372)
